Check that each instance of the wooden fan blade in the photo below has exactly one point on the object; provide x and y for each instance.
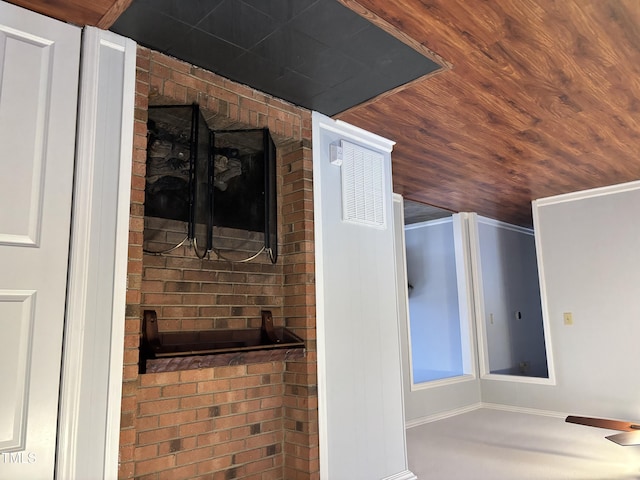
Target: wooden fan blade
(603, 423)
(625, 439)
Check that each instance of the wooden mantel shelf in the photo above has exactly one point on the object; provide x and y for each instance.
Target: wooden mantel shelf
(172, 364)
(168, 352)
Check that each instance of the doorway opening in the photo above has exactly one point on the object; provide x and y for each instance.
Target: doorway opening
(464, 266)
(439, 326)
(511, 328)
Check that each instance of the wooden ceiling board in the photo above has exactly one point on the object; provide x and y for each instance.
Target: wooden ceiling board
(542, 99)
(98, 13)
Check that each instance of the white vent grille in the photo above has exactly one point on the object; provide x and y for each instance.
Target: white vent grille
(363, 198)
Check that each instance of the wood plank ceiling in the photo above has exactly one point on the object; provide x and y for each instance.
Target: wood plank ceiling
(542, 97)
(97, 13)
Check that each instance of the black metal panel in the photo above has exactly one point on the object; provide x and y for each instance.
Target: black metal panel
(271, 196)
(314, 53)
(206, 178)
(179, 169)
(170, 162)
(239, 180)
(202, 203)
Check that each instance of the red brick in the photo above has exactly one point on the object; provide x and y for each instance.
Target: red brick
(145, 452)
(249, 455)
(153, 379)
(228, 448)
(158, 435)
(214, 438)
(195, 428)
(188, 471)
(244, 382)
(179, 390)
(147, 423)
(193, 455)
(177, 418)
(231, 371)
(154, 465)
(214, 465)
(230, 421)
(259, 466)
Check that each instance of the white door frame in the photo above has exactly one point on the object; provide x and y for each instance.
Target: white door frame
(91, 380)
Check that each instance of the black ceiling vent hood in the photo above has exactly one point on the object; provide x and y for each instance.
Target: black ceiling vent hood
(318, 54)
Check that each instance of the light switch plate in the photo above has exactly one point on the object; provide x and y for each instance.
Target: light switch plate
(568, 318)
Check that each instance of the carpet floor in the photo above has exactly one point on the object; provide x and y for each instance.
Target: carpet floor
(502, 445)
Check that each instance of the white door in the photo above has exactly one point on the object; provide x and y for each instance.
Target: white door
(39, 60)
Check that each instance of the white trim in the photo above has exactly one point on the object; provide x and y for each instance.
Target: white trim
(529, 411)
(476, 406)
(467, 377)
(83, 353)
(429, 223)
(318, 123)
(544, 299)
(466, 301)
(401, 296)
(354, 133)
(503, 377)
(478, 294)
(121, 254)
(504, 225)
(442, 415)
(583, 194)
(405, 475)
(404, 297)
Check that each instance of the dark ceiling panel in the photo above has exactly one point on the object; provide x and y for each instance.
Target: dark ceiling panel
(200, 48)
(330, 23)
(279, 10)
(154, 27)
(238, 23)
(189, 12)
(314, 53)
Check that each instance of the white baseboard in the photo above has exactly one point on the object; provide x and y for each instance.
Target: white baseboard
(494, 406)
(530, 411)
(405, 475)
(442, 415)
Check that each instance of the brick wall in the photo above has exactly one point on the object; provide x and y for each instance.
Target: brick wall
(255, 421)
(217, 423)
(188, 293)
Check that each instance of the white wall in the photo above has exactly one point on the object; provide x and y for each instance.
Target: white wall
(433, 300)
(588, 247)
(511, 316)
(361, 419)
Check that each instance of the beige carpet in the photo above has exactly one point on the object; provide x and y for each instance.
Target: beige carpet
(499, 445)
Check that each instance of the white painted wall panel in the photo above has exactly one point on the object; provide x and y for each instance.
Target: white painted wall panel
(589, 264)
(360, 384)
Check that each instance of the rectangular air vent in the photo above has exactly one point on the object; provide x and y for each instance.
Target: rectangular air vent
(363, 195)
